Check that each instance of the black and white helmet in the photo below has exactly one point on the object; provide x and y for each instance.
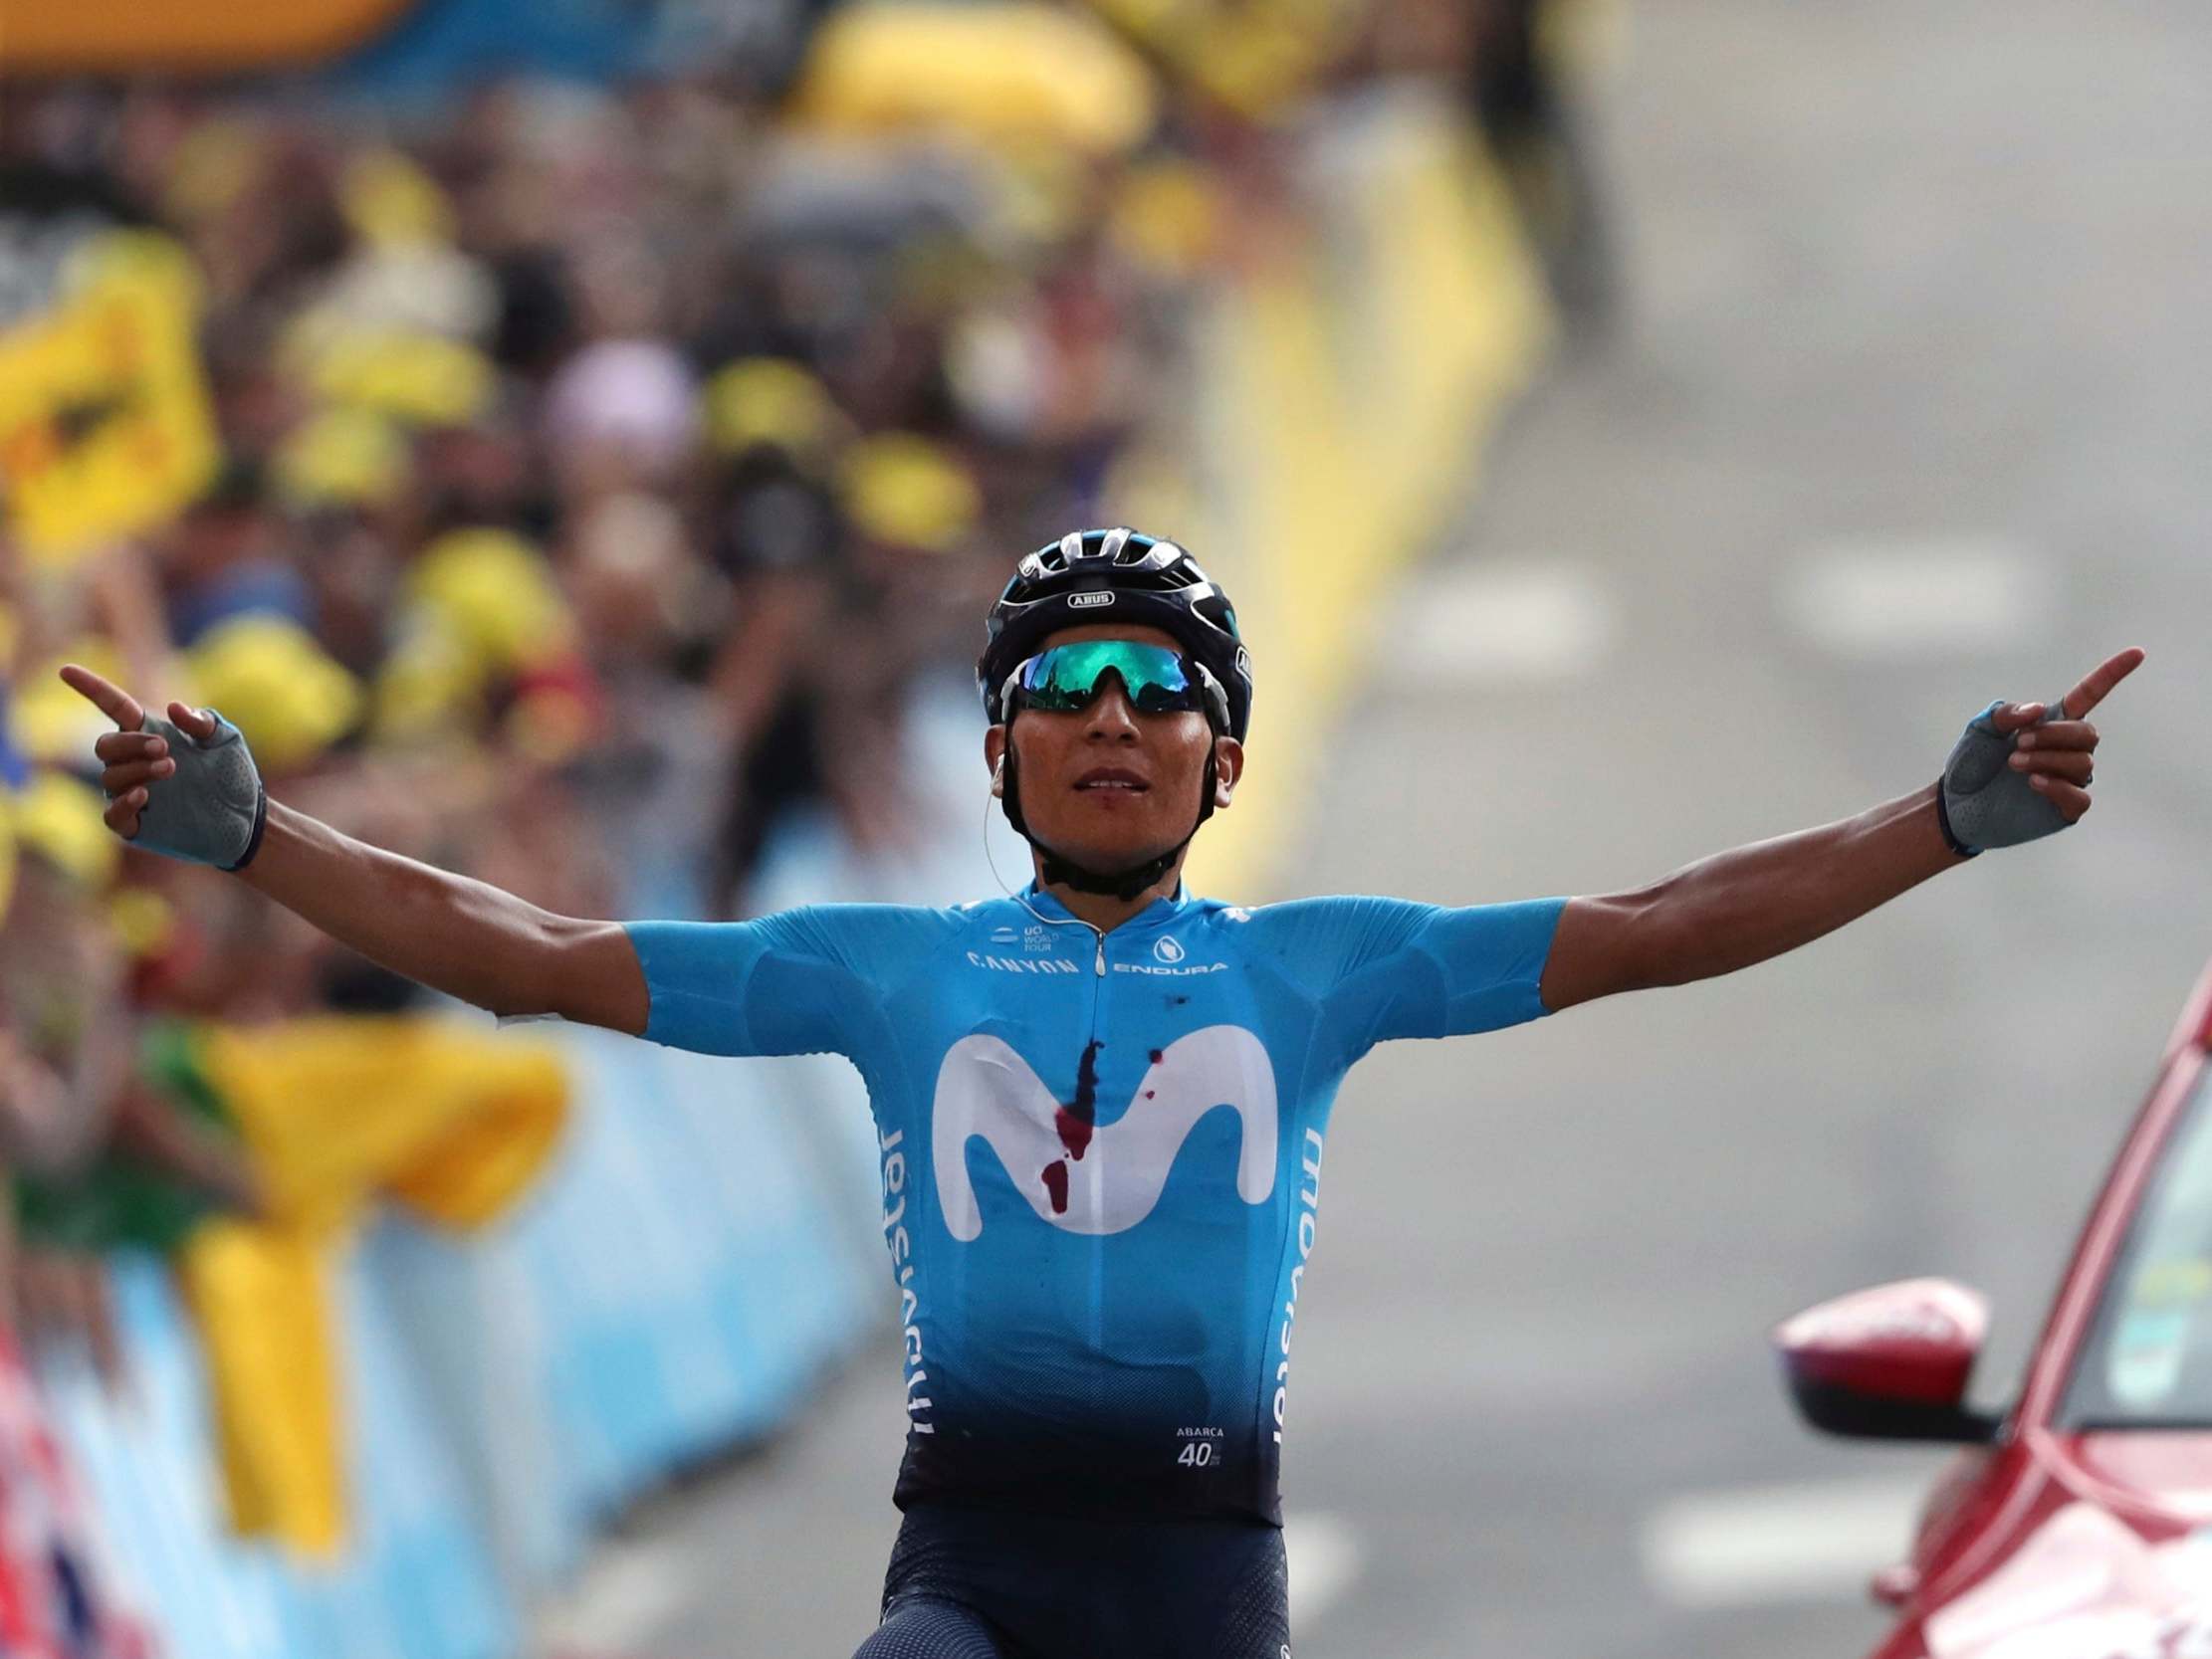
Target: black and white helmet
(1115, 575)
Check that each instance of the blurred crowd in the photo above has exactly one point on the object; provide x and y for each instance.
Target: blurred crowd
(592, 471)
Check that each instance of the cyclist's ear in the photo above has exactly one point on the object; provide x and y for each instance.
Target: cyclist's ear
(1229, 766)
(994, 756)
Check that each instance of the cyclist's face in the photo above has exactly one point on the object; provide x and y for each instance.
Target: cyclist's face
(1067, 802)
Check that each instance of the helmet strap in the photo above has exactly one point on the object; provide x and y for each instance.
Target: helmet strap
(1119, 884)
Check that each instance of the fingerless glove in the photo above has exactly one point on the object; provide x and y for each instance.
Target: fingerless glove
(212, 808)
(1981, 801)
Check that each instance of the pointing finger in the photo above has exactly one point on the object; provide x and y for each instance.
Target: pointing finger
(2099, 682)
(111, 699)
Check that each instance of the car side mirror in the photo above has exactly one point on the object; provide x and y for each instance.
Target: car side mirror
(1890, 1363)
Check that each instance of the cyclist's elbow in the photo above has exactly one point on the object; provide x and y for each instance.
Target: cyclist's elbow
(1605, 944)
(591, 977)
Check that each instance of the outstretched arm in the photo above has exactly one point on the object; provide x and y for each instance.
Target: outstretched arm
(454, 935)
(462, 937)
(1751, 903)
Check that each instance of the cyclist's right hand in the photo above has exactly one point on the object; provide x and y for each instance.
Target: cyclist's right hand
(212, 814)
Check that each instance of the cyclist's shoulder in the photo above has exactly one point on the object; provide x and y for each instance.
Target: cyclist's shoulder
(1369, 923)
(1316, 916)
(1320, 931)
(870, 922)
(863, 936)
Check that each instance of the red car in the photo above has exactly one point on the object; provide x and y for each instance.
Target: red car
(2079, 1525)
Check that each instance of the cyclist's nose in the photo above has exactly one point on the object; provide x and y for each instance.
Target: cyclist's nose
(1110, 717)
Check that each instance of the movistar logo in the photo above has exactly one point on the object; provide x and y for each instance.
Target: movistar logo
(1090, 1179)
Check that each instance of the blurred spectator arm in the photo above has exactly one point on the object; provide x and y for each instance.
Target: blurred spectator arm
(35, 1107)
(464, 938)
(127, 609)
(56, 1105)
(152, 1130)
(757, 663)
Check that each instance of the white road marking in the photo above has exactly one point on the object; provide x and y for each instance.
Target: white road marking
(1878, 601)
(1478, 624)
(1324, 1559)
(1812, 1542)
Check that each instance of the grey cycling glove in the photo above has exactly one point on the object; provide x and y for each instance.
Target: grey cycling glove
(1981, 801)
(212, 808)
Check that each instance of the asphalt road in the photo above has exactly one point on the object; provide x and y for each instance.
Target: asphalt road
(1907, 413)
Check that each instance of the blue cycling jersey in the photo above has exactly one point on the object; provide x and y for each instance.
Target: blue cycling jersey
(1101, 1152)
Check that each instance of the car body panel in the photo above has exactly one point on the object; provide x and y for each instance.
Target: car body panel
(2056, 1545)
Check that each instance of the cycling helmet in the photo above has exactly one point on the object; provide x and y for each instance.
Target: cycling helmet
(1118, 575)
(1115, 575)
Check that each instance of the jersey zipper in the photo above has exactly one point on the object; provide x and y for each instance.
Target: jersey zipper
(1097, 1297)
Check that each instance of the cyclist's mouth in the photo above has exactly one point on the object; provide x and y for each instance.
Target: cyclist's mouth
(1110, 780)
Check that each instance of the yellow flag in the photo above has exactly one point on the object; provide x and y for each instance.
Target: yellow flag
(335, 1113)
(105, 422)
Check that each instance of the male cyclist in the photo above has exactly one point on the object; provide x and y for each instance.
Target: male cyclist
(1101, 1103)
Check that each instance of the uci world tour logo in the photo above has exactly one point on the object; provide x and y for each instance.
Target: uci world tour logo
(985, 1089)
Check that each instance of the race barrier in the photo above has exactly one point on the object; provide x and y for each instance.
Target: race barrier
(416, 1578)
(685, 1273)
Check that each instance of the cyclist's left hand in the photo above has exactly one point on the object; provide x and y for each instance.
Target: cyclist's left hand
(2058, 754)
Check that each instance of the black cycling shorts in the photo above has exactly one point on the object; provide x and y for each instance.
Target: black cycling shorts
(998, 1585)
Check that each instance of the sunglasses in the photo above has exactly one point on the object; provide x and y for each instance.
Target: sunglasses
(1157, 680)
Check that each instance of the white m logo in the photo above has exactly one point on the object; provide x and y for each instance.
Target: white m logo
(985, 1088)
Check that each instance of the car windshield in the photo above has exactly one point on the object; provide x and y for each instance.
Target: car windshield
(2149, 1360)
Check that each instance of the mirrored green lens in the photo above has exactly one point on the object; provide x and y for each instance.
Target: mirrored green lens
(1067, 678)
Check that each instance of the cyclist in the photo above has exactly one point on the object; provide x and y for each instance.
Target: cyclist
(1102, 1103)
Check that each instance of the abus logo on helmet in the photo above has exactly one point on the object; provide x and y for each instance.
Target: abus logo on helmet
(1166, 950)
(1084, 602)
(985, 1089)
